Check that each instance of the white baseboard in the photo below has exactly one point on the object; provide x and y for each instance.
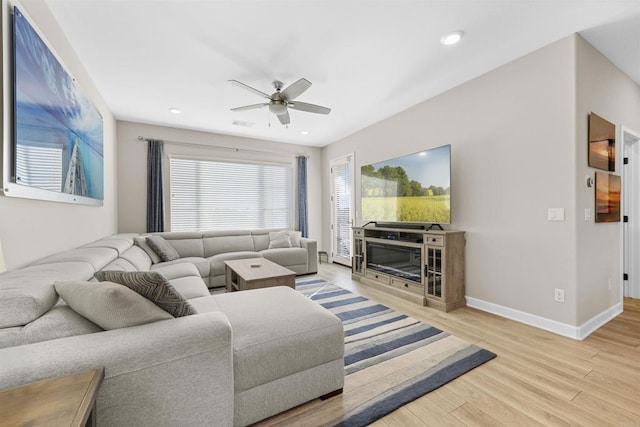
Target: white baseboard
(575, 332)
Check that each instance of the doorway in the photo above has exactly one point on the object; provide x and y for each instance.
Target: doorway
(631, 213)
(341, 209)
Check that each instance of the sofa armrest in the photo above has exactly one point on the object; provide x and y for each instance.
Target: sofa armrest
(312, 247)
(167, 373)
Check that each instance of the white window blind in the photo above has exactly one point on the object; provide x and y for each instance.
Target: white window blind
(216, 195)
(342, 206)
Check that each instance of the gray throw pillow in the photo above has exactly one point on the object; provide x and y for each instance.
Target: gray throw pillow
(279, 239)
(165, 251)
(154, 287)
(141, 242)
(110, 305)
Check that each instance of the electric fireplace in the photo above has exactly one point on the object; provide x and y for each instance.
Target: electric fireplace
(401, 261)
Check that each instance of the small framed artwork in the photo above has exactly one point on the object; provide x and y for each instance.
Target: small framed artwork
(602, 143)
(608, 191)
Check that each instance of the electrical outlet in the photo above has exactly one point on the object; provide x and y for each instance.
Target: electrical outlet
(559, 295)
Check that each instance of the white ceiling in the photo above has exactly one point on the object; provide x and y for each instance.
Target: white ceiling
(367, 60)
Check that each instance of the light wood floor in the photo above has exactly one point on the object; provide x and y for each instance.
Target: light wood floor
(538, 378)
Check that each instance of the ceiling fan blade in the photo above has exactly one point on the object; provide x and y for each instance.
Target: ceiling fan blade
(296, 89)
(250, 107)
(249, 88)
(284, 118)
(310, 108)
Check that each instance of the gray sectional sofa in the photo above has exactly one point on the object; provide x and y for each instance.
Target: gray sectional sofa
(243, 357)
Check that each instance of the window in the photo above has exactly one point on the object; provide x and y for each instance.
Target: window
(221, 195)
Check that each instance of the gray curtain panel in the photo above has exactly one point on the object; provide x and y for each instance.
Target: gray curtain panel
(303, 226)
(155, 187)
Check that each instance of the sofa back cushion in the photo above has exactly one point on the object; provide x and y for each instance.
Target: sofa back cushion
(19, 306)
(97, 257)
(59, 322)
(138, 257)
(218, 242)
(118, 242)
(187, 243)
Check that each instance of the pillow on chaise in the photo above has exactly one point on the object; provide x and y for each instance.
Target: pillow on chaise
(109, 305)
(279, 239)
(153, 286)
(165, 251)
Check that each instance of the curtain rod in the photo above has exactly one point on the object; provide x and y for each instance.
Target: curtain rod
(145, 139)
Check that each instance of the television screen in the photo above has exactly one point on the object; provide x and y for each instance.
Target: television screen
(58, 138)
(414, 188)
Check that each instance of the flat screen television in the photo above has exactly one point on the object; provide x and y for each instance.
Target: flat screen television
(58, 149)
(415, 188)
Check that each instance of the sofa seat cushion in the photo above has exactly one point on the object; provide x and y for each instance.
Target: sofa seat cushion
(286, 256)
(217, 261)
(270, 340)
(204, 304)
(201, 264)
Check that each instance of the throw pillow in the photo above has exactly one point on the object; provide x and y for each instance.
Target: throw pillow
(279, 239)
(165, 251)
(141, 242)
(295, 237)
(154, 287)
(109, 305)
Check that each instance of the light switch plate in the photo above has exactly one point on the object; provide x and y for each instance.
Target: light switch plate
(587, 214)
(555, 214)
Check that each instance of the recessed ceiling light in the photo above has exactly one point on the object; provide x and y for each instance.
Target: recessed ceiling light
(305, 132)
(451, 38)
(175, 110)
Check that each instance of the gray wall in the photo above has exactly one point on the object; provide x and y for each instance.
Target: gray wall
(132, 158)
(517, 151)
(32, 229)
(605, 90)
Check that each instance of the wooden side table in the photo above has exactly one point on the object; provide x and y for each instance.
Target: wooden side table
(64, 401)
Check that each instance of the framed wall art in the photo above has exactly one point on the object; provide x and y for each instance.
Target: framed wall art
(608, 197)
(54, 150)
(602, 143)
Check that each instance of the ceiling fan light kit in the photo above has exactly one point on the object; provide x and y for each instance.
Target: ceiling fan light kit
(281, 100)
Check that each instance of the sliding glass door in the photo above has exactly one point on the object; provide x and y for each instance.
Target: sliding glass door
(341, 209)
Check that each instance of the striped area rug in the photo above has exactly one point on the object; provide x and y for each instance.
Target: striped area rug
(390, 358)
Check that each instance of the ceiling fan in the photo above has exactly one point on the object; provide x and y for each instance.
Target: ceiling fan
(281, 100)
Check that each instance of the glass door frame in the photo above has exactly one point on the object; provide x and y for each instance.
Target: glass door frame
(336, 255)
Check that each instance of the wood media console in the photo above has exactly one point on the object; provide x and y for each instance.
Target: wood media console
(423, 266)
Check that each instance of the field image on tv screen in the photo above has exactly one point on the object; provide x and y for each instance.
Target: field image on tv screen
(412, 188)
